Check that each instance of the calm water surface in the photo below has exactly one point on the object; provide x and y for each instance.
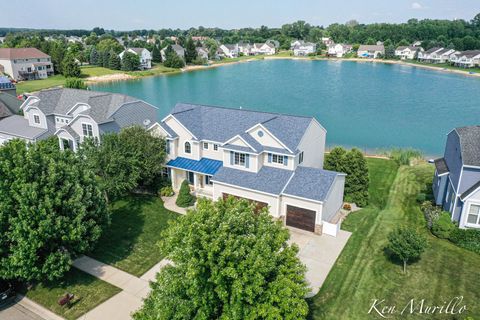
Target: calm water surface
(373, 106)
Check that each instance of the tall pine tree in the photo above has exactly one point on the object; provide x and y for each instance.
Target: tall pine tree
(114, 62)
(93, 56)
(156, 56)
(190, 51)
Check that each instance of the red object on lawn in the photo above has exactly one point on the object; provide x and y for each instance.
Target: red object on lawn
(66, 299)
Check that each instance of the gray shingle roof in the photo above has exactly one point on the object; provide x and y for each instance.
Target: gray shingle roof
(469, 191)
(470, 144)
(221, 124)
(70, 131)
(470, 53)
(371, 47)
(441, 166)
(61, 100)
(170, 131)
(310, 183)
(432, 50)
(18, 126)
(269, 180)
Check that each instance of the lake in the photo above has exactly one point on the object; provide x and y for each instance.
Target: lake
(373, 106)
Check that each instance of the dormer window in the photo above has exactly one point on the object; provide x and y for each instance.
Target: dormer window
(188, 147)
(36, 118)
(276, 158)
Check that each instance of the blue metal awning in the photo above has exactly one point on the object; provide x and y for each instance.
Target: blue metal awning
(204, 165)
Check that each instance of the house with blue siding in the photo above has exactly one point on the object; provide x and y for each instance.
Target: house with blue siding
(456, 185)
(273, 160)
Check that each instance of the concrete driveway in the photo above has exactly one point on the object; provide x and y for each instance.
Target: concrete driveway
(318, 253)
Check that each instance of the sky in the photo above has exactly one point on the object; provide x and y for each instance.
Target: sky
(183, 14)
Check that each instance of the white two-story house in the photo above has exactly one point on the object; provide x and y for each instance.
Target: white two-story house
(274, 160)
(74, 115)
(143, 54)
(25, 63)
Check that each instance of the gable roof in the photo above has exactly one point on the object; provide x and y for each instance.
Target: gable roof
(470, 53)
(137, 50)
(469, 145)
(18, 126)
(22, 53)
(371, 47)
(220, 124)
(432, 50)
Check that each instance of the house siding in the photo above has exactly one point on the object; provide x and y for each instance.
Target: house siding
(453, 157)
(313, 146)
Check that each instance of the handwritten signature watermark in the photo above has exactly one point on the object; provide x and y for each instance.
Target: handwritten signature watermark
(454, 306)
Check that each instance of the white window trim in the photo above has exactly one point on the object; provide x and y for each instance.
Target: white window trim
(185, 147)
(472, 225)
(240, 154)
(35, 115)
(205, 145)
(87, 124)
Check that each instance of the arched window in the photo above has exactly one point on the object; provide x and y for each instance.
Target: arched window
(188, 147)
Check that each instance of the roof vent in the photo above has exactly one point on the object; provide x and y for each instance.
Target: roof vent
(146, 122)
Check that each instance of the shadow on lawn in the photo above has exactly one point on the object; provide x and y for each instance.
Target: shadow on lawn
(127, 223)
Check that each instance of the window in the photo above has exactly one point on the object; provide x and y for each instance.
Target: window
(208, 180)
(300, 157)
(190, 177)
(205, 145)
(36, 118)
(277, 159)
(58, 119)
(474, 214)
(167, 147)
(215, 147)
(188, 147)
(239, 159)
(87, 130)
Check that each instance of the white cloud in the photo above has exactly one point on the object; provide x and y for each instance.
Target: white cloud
(417, 6)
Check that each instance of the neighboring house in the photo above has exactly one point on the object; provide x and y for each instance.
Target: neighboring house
(74, 39)
(263, 48)
(9, 105)
(327, 41)
(73, 115)
(228, 50)
(179, 50)
(426, 56)
(417, 44)
(245, 49)
(295, 43)
(202, 52)
(466, 59)
(273, 160)
(371, 51)
(409, 52)
(441, 56)
(275, 43)
(304, 49)
(25, 63)
(456, 184)
(338, 50)
(143, 54)
(6, 86)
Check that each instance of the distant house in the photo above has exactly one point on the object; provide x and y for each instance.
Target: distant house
(441, 56)
(199, 38)
(295, 43)
(327, 41)
(6, 86)
(304, 49)
(417, 44)
(74, 39)
(426, 56)
(25, 63)
(143, 54)
(456, 184)
(202, 52)
(339, 50)
(245, 49)
(74, 115)
(179, 50)
(407, 52)
(466, 59)
(275, 43)
(228, 50)
(371, 51)
(263, 48)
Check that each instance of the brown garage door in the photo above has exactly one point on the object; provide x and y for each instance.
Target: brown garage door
(301, 218)
(258, 205)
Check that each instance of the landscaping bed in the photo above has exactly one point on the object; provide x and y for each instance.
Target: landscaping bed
(364, 271)
(130, 242)
(88, 291)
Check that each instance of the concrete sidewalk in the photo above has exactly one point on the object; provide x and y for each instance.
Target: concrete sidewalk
(123, 304)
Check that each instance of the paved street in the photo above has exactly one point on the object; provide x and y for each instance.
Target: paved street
(18, 312)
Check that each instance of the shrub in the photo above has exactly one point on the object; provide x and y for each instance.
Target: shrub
(75, 83)
(466, 238)
(421, 197)
(404, 156)
(431, 212)
(167, 191)
(199, 61)
(443, 226)
(185, 198)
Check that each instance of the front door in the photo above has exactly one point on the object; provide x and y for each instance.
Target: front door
(190, 177)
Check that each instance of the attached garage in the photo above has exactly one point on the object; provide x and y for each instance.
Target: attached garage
(259, 205)
(301, 218)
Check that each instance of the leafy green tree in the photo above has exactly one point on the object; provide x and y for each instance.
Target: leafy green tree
(335, 160)
(190, 51)
(114, 63)
(390, 52)
(105, 58)
(57, 54)
(51, 210)
(70, 67)
(108, 44)
(185, 198)
(406, 244)
(228, 263)
(172, 60)
(403, 43)
(125, 161)
(156, 56)
(75, 83)
(130, 61)
(370, 41)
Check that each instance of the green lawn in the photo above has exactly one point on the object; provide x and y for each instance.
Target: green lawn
(88, 290)
(364, 272)
(444, 65)
(36, 85)
(156, 70)
(94, 71)
(130, 243)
